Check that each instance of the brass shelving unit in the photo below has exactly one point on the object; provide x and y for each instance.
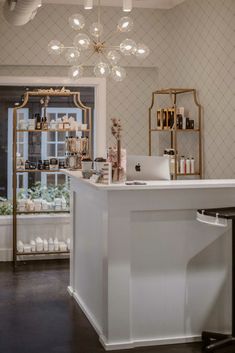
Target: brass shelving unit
(87, 119)
(173, 93)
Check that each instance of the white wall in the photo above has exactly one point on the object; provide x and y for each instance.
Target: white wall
(191, 45)
(202, 56)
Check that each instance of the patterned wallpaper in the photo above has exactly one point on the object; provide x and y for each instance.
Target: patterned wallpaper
(191, 45)
(202, 55)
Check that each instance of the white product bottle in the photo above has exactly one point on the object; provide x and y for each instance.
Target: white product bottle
(68, 244)
(184, 122)
(45, 245)
(192, 165)
(39, 244)
(188, 166)
(20, 246)
(33, 245)
(56, 244)
(51, 246)
(172, 161)
(182, 165)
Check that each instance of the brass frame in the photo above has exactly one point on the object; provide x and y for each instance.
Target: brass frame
(42, 93)
(173, 92)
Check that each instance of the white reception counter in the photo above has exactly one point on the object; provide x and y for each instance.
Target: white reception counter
(143, 270)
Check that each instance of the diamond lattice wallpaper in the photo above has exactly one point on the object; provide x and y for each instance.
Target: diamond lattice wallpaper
(191, 45)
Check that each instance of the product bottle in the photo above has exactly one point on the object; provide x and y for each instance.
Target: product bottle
(44, 123)
(38, 122)
(172, 161)
(192, 165)
(56, 244)
(188, 166)
(182, 165)
(45, 245)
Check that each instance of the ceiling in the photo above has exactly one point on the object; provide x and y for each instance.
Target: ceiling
(155, 4)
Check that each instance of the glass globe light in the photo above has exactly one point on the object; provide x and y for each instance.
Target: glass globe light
(75, 72)
(118, 73)
(125, 24)
(128, 47)
(82, 41)
(113, 56)
(142, 51)
(96, 29)
(55, 47)
(101, 69)
(72, 55)
(77, 21)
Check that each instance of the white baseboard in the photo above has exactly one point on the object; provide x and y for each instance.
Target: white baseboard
(86, 311)
(70, 290)
(131, 343)
(109, 346)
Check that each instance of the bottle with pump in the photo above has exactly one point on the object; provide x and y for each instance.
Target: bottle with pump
(38, 122)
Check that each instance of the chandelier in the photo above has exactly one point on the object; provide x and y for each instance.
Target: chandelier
(94, 44)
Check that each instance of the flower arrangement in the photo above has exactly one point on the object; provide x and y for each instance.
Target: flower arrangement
(116, 154)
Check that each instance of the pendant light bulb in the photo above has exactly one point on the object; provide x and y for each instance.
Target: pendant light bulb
(127, 5)
(88, 4)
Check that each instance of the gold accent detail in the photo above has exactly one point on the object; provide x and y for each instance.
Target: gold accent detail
(99, 47)
(48, 92)
(173, 94)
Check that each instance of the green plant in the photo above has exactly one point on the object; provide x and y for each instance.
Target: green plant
(5, 207)
(48, 193)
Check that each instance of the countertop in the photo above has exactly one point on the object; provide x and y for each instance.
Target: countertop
(157, 184)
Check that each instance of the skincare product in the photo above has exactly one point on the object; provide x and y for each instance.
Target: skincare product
(182, 165)
(20, 246)
(188, 166)
(33, 245)
(45, 245)
(51, 246)
(192, 165)
(39, 244)
(27, 248)
(56, 244)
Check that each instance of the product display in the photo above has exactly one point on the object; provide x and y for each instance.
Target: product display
(42, 124)
(43, 245)
(184, 132)
(76, 148)
(40, 199)
(37, 205)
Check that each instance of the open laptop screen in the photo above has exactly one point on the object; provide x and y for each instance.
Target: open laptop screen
(148, 168)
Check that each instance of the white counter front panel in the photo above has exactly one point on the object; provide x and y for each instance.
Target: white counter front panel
(180, 271)
(144, 270)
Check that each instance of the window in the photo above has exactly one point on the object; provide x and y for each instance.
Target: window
(53, 142)
(52, 145)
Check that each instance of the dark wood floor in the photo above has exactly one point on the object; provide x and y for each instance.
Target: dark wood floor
(38, 316)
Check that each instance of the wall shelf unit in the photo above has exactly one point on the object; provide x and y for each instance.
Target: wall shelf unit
(165, 119)
(86, 119)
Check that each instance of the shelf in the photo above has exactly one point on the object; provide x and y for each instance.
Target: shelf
(54, 130)
(174, 91)
(171, 130)
(42, 212)
(187, 174)
(39, 171)
(42, 253)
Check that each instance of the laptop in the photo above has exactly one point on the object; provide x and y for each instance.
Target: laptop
(148, 168)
